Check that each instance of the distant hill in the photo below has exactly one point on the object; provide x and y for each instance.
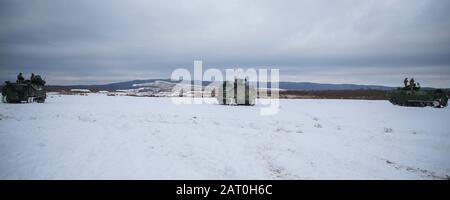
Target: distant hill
(282, 85)
(326, 86)
(109, 87)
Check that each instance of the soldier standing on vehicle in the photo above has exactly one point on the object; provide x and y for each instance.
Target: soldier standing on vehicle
(20, 78)
(32, 78)
(405, 82)
(412, 83)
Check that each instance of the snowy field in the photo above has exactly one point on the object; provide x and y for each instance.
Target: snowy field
(103, 137)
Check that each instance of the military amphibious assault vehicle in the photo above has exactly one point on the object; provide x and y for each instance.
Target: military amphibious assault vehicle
(24, 91)
(418, 97)
(237, 92)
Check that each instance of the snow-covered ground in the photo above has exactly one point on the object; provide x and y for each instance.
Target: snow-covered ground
(104, 137)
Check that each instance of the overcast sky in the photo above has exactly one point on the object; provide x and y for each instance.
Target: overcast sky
(328, 41)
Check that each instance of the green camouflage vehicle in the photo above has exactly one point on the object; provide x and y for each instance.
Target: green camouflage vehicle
(26, 91)
(418, 97)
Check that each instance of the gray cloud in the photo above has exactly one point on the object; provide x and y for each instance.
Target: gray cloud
(369, 41)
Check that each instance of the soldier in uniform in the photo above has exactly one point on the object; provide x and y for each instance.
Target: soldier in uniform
(32, 78)
(20, 78)
(405, 82)
(412, 84)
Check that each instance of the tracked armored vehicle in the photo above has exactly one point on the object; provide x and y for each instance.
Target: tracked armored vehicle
(418, 97)
(24, 91)
(237, 92)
